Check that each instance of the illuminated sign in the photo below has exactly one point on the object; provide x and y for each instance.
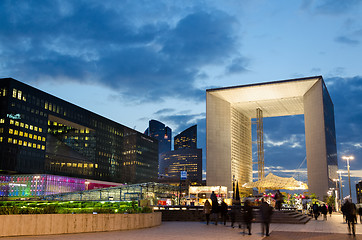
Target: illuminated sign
(14, 116)
(183, 175)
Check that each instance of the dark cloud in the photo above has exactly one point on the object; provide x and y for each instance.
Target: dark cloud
(346, 40)
(165, 110)
(237, 66)
(108, 43)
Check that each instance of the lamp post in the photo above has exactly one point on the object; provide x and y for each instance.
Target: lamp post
(340, 184)
(336, 194)
(349, 176)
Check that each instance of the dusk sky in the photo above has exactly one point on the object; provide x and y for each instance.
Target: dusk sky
(132, 61)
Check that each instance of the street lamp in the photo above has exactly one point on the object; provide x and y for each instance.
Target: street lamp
(336, 193)
(349, 176)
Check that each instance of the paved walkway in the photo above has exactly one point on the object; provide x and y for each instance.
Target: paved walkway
(332, 229)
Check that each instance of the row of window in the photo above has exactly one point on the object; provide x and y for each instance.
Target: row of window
(25, 143)
(76, 165)
(25, 125)
(25, 134)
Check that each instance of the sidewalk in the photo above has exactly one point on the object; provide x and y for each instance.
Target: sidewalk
(331, 229)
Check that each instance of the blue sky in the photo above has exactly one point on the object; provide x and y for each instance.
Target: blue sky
(136, 60)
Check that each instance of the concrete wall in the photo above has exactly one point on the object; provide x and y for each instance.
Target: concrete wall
(45, 224)
(315, 141)
(218, 142)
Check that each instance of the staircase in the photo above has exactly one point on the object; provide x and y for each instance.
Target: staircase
(196, 214)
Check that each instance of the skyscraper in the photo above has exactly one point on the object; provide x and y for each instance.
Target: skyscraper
(162, 133)
(186, 139)
(186, 157)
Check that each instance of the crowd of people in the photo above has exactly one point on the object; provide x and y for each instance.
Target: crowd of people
(243, 215)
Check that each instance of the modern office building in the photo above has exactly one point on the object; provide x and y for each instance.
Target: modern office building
(43, 134)
(359, 192)
(162, 133)
(186, 157)
(186, 139)
(229, 114)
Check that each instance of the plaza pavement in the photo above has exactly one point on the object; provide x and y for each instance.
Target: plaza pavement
(333, 228)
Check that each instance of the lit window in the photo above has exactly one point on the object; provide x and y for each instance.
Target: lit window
(20, 133)
(14, 93)
(31, 127)
(46, 105)
(10, 140)
(50, 106)
(1, 130)
(26, 126)
(87, 130)
(40, 130)
(76, 138)
(15, 141)
(16, 132)
(1, 139)
(82, 131)
(91, 165)
(25, 143)
(39, 138)
(21, 124)
(29, 144)
(11, 121)
(25, 134)
(35, 128)
(19, 94)
(2, 120)
(35, 137)
(86, 138)
(34, 145)
(38, 146)
(42, 147)
(30, 135)
(86, 145)
(20, 142)
(16, 123)
(24, 98)
(96, 165)
(74, 165)
(43, 139)
(11, 131)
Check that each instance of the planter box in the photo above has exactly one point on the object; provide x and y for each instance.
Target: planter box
(45, 224)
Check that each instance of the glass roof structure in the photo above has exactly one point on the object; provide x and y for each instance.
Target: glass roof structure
(133, 192)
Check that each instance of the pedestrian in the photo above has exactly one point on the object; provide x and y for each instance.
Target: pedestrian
(207, 211)
(350, 209)
(248, 215)
(224, 211)
(330, 210)
(324, 211)
(266, 212)
(360, 214)
(214, 207)
(315, 211)
(235, 212)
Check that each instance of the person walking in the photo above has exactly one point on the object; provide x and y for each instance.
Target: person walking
(214, 207)
(235, 212)
(324, 211)
(315, 211)
(350, 209)
(330, 210)
(266, 212)
(248, 215)
(207, 211)
(224, 211)
(360, 214)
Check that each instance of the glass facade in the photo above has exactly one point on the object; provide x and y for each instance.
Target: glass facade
(38, 185)
(186, 139)
(189, 160)
(40, 134)
(162, 133)
(330, 133)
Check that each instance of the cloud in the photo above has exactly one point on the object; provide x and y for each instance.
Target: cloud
(335, 7)
(346, 40)
(165, 110)
(145, 58)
